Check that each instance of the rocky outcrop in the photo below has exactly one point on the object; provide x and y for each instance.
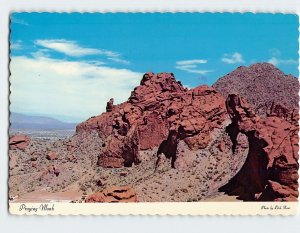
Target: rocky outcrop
(110, 105)
(19, 141)
(113, 194)
(270, 172)
(261, 85)
(159, 113)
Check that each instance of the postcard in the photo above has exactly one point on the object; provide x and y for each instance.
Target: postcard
(153, 113)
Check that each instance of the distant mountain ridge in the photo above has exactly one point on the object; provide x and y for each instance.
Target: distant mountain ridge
(22, 121)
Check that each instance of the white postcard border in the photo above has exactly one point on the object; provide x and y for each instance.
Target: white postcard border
(156, 208)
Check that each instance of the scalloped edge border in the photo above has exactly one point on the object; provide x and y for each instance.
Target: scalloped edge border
(161, 209)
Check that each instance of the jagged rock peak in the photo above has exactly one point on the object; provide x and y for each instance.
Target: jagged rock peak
(153, 84)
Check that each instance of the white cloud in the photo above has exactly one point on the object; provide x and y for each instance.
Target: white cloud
(191, 66)
(232, 58)
(71, 48)
(119, 60)
(191, 62)
(16, 45)
(276, 61)
(41, 53)
(41, 85)
(18, 21)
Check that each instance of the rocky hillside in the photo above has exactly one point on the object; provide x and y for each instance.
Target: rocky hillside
(263, 86)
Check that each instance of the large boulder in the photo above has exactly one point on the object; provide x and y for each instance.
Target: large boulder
(19, 141)
(113, 194)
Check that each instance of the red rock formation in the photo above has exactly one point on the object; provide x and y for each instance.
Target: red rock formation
(139, 123)
(95, 197)
(19, 141)
(271, 168)
(162, 113)
(156, 109)
(113, 194)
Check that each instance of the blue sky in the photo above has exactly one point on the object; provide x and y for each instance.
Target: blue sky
(69, 65)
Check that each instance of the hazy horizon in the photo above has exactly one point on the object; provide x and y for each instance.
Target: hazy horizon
(64, 119)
